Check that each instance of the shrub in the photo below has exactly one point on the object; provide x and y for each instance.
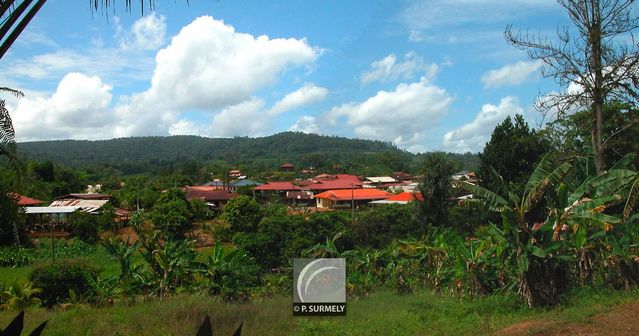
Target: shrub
(16, 257)
(171, 213)
(58, 279)
(85, 227)
(243, 214)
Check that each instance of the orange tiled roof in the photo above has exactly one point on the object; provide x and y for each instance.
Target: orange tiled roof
(356, 194)
(406, 197)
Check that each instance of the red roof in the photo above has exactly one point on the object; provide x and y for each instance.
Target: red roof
(24, 200)
(324, 177)
(209, 194)
(287, 165)
(354, 194)
(406, 197)
(333, 184)
(277, 186)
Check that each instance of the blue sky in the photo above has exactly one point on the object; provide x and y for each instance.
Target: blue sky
(425, 75)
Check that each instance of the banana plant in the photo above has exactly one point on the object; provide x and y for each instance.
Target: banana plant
(123, 252)
(532, 265)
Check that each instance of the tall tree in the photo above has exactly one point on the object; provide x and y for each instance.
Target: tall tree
(571, 135)
(513, 151)
(436, 188)
(596, 59)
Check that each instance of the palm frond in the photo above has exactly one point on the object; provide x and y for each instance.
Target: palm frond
(633, 196)
(14, 92)
(7, 134)
(543, 177)
(625, 162)
(491, 199)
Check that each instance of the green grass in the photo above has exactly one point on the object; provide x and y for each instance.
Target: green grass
(99, 258)
(383, 313)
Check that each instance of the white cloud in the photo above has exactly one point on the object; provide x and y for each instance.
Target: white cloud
(246, 118)
(307, 94)
(416, 36)
(147, 33)
(78, 109)
(209, 65)
(474, 135)
(511, 74)
(401, 116)
(306, 124)
(186, 127)
(388, 68)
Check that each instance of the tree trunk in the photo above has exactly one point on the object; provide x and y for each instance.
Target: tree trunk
(598, 95)
(597, 126)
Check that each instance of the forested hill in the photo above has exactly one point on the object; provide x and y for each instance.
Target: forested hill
(140, 154)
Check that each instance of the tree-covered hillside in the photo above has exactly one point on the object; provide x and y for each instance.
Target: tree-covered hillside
(145, 154)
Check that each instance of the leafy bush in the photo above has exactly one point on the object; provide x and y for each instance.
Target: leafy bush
(63, 248)
(16, 257)
(85, 227)
(171, 213)
(58, 279)
(380, 225)
(243, 214)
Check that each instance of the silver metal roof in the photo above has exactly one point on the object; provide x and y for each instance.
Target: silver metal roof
(52, 210)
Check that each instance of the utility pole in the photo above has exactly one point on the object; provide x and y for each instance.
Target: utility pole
(353, 202)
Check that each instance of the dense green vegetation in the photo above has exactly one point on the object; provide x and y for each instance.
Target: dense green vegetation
(188, 154)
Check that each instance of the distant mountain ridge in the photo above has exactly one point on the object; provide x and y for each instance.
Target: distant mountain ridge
(285, 146)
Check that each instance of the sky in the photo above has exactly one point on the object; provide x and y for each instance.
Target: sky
(426, 75)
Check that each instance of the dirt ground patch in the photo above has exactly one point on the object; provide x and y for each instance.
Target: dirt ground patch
(619, 321)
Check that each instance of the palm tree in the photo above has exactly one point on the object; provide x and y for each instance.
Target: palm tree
(7, 133)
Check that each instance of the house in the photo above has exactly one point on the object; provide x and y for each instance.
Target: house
(300, 198)
(401, 198)
(287, 167)
(93, 188)
(90, 203)
(215, 198)
(216, 183)
(24, 200)
(401, 176)
(235, 173)
(244, 183)
(275, 189)
(378, 181)
(347, 198)
(467, 176)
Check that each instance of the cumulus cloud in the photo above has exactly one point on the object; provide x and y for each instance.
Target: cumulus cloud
(400, 116)
(474, 135)
(307, 94)
(388, 68)
(207, 67)
(511, 74)
(147, 33)
(78, 109)
(246, 118)
(306, 124)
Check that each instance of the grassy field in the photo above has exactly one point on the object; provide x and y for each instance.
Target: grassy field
(383, 313)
